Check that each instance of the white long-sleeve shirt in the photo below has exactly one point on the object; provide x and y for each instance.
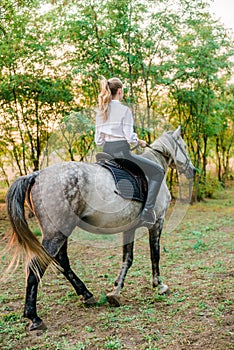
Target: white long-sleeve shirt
(119, 125)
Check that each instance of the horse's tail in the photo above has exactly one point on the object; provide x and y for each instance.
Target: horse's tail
(21, 238)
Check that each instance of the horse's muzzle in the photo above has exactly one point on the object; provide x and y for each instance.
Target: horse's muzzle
(192, 173)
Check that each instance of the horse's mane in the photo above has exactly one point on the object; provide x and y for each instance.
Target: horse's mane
(165, 144)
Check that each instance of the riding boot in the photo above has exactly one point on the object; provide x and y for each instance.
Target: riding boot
(148, 216)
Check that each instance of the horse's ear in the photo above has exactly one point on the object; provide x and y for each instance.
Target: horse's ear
(177, 132)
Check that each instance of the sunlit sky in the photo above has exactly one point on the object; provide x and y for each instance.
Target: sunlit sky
(224, 11)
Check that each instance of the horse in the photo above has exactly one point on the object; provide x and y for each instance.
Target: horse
(78, 194)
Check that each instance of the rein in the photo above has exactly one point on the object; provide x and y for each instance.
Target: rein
(157, 151)
(170, 158)
(154, 150)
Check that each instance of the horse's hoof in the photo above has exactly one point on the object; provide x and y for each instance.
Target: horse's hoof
(163, 289)
(90, 302)
(37, 326)
(113, 300)
(155, 283)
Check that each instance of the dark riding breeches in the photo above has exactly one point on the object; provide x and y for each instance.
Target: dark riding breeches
(121, 149)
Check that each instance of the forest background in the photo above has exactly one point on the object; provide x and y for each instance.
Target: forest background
(174, 57)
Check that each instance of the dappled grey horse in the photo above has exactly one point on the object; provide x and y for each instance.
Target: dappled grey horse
(71, 194)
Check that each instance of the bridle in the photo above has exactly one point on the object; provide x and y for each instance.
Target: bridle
(187, 162)
(170, 158)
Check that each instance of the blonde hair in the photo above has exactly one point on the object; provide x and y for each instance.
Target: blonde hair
(109, 89)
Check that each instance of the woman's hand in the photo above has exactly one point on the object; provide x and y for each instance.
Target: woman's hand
(142, 143)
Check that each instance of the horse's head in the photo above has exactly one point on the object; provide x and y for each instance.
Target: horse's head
(180, 158)
(172, 149)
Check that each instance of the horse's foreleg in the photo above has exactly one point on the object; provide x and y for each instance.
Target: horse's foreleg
(128, 244)
(30, 310)
(78, 285)
(154, 239)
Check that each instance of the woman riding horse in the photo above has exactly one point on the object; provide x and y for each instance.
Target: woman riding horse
(67, 195)
(114, 131)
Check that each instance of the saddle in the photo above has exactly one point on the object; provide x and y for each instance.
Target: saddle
(130, 180)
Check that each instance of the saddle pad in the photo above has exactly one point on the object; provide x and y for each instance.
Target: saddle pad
(128, 186)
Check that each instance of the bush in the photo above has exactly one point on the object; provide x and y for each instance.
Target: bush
(209, 186)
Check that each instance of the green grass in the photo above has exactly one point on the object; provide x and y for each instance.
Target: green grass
(196, 263)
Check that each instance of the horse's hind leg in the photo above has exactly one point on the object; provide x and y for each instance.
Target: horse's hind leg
(154, 239)
(128, 244)
(30, 310)
(78, 285)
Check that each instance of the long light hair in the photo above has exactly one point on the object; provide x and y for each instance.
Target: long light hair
(109, 89)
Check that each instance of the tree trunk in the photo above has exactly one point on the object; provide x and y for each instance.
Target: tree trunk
(218, 159)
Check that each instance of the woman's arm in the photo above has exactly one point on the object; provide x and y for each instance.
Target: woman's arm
(99, 139)
(129, 134)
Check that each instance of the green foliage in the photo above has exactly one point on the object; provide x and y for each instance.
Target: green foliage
(196, 83)
(209, 186)
(32, 98)
(113, 343)
(199, 245)
(37, 232)
(74, 137)
(53, 56)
